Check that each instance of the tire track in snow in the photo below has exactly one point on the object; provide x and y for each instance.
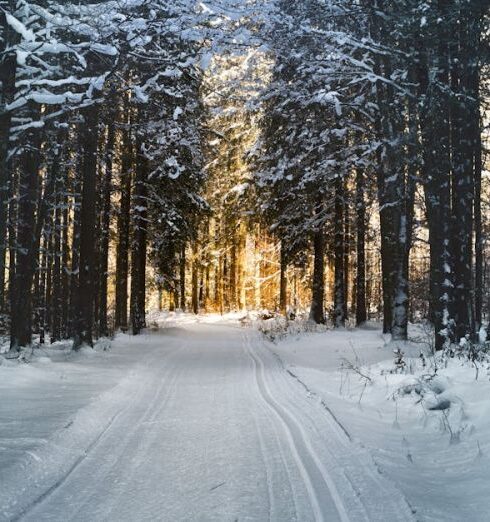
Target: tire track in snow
(279, 444)
(308, 462)
(271, 505)
(370, 468)
(140, 445)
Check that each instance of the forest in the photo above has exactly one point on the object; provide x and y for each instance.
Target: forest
(318, 157)
(244, 260)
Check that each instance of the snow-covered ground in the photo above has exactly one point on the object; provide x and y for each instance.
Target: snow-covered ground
(438, 458)
(205, 419)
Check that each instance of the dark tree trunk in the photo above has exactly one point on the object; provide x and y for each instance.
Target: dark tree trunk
(233, 269)
(65, 278)
(12, 239)
(123, 230)
(317, 312)
(462, 159)
(8, 69)
(75, 250)
(403, 226)
(47, 298)
(44, 232)
(105, 229)
(56, 307)
(201, 288)
(478, 214)
(40, 286)
(225, 283)
(283, 282)
(346, 249)
(339, 253)
(85, 296)
(182, 277)
(361, 311)
(176, 284)
(26, 254)
(195, 272)
(386, 218)
(138, 255)
(394, 193)
(434, 123)
(391, 189)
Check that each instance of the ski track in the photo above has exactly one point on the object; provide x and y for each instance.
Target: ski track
(355, 468)
(304, 455)
(25, 514)
(217, 429)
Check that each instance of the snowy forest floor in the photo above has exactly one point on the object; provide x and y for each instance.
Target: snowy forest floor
(204, 419)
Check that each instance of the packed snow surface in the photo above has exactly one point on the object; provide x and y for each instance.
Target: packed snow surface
(205, 420)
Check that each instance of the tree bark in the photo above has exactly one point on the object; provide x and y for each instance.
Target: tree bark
(361, 311)
(138, 255)
(339, 253)
(478, 213)
(86, 295)
(26, 255)
(346, 248)
(195, 274)
(283, 281)
(75, 249)
(317, 312)
(8, 72)
(56, 306)
(434, 123)
(123, 231)
(65, 278)
(105, 228)
(463, 183)
(182, 277)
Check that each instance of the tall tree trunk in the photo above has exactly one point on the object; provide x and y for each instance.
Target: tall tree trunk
(242, 294)
(361, 311)
(123, 230)
(56, 318)
(41, 293)
(233, 268)
(75, 248)
(138, 255)
(434, 123)
(43, 231)
(225, 285)
(176, 284)
(8, 71)
(391, 188)
(195, 275)
(105, 228)
(26, 255)
(12, 231)
(182, 277)
(339, 253)
(462, 158)
(65, 278)
(283, 281)
(478, 211)
(317, 312)
(86, 295)
(346, 249)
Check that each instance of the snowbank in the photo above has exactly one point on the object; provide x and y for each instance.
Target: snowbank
(429, 431)
(54, 407)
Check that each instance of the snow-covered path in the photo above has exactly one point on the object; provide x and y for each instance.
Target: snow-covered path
(208, 426)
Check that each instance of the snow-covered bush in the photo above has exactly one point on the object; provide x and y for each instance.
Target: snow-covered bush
(278, 327)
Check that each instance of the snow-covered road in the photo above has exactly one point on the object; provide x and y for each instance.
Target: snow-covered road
(208, 426)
